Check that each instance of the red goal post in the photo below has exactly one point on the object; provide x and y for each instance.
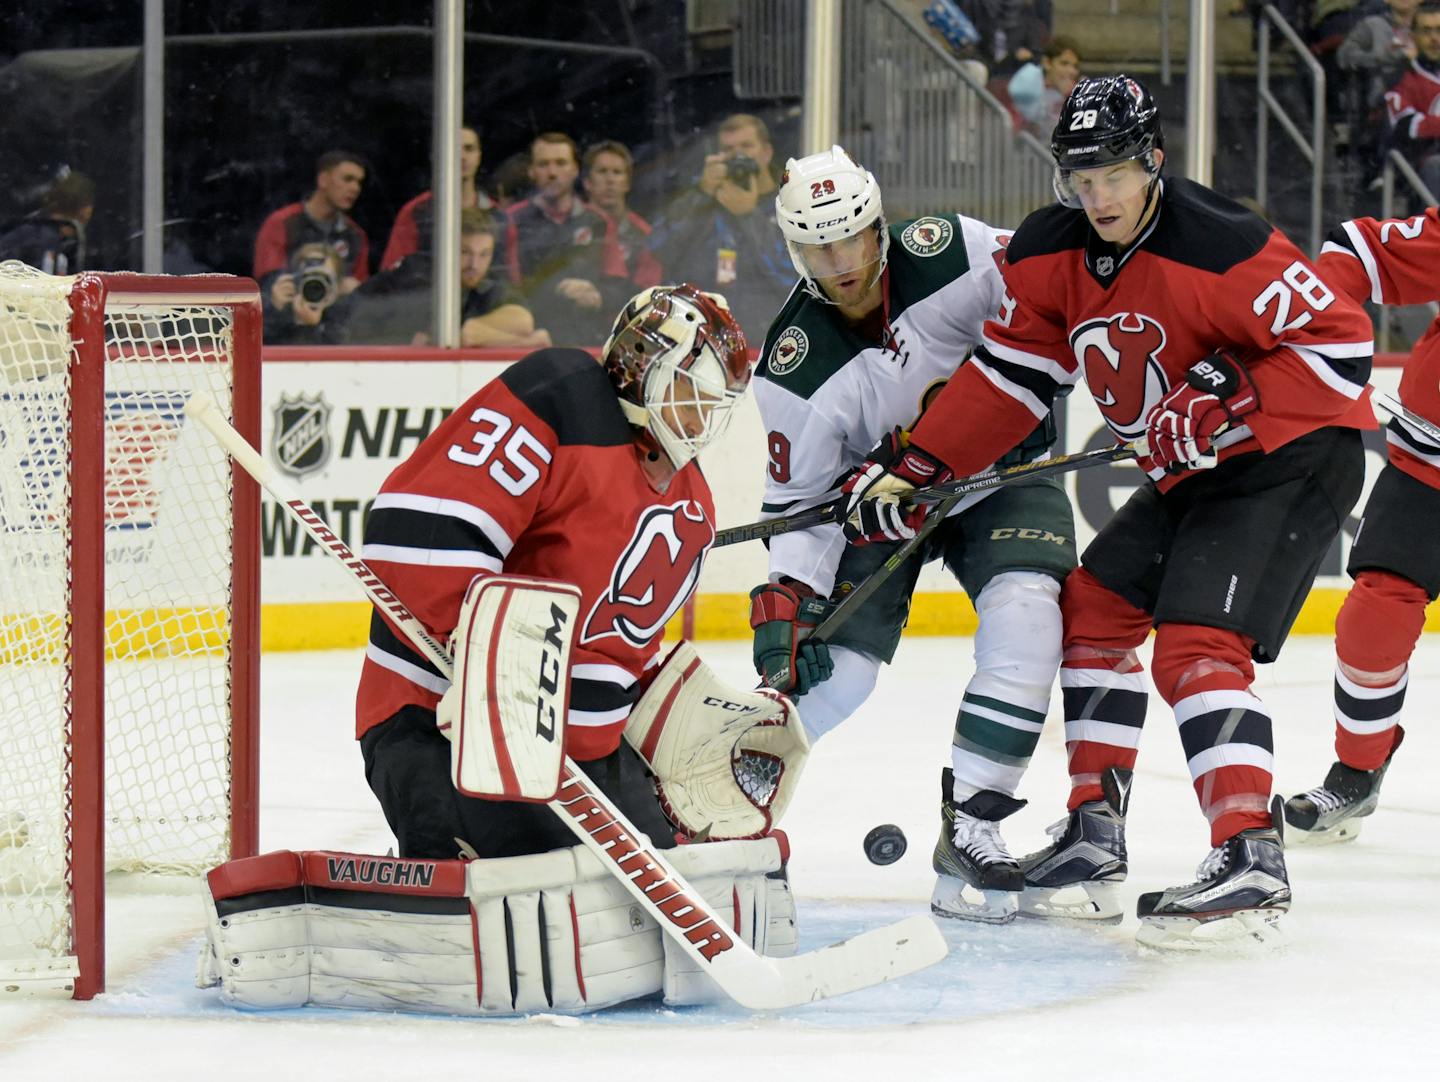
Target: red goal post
(129, 601)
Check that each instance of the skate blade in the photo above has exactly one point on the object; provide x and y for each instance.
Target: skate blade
(1346, 831)
(1095, 902)
(1244, 931)
(956, 899)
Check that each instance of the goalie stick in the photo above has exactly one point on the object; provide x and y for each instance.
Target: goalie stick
(750, 979)
(834, 511)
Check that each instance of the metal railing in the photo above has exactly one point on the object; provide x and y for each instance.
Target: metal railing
(936, 140)
(1312, 149)
(768, 50)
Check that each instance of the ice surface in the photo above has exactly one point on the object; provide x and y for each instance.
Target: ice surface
(1351, 997)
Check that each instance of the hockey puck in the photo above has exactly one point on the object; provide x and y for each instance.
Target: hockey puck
(885, 844)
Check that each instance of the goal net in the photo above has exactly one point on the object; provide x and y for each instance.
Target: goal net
(128, 601)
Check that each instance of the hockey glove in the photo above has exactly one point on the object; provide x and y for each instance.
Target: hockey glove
(875, 490)
(1217, 393)
(780, 612)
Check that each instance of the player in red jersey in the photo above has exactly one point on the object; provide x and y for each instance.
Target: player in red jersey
(565, 470)
(1387, 262)
(1198, 326)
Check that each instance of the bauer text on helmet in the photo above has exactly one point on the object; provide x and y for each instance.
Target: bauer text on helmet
(829, 210)
(679, 362)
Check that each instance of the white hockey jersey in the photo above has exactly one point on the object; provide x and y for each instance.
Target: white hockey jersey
(827, 395)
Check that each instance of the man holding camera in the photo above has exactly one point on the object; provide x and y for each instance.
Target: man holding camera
(722, 235)
(308, 254)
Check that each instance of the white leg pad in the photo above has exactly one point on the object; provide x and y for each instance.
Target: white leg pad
(550, 932)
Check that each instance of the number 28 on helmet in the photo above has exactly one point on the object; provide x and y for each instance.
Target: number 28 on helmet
(1104, 122)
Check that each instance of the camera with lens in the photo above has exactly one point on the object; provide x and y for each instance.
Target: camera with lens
(739, 168)
(317, 279)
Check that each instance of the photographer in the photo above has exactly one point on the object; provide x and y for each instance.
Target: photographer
(318, 226)
(722, 235)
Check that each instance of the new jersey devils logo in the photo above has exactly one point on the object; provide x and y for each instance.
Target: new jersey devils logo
(654, 574)
(1120, 358)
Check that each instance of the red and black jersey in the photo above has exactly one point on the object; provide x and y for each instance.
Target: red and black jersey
(414, 223)
(536, 474)
(1398, 262)
(290, 227)
(1205, 275)
(1413, 104)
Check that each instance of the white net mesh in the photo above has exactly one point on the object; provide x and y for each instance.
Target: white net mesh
(168, 555)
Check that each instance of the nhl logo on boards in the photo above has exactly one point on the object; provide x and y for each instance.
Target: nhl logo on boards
(301, 439)
(928, 236)
(789, 351)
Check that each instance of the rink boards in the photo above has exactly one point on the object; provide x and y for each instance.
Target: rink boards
(338, 421)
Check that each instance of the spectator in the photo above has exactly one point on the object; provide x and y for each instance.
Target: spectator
(53, 238)
(286, 246)
(1014, 31)
(1380, 47)
(1038, 90)
(393, 307)
(416, 221)
(1413, 103)
(553, 243)
(627, 265)
(721, 234)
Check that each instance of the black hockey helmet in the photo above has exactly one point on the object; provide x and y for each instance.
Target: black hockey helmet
(1105, 121)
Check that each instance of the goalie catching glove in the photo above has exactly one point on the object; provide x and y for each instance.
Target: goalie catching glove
(1217, 394)
(726, 762)
(875, 490)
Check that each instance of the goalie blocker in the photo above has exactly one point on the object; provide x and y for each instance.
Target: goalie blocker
(549, 932)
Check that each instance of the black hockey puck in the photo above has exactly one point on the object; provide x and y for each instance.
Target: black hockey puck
(885, 844)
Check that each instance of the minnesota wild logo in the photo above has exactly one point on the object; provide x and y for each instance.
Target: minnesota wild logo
(789, 351)
(928, 236)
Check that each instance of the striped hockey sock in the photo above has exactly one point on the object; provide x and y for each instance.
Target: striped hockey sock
(995, 734)
(1227, 739)
(1365, 719)
(1105, 697)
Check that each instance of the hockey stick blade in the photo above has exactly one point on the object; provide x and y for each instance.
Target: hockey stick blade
(752, 980)
(834, 510)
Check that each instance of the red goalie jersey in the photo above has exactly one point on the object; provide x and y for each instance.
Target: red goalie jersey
(1205, 275)
(1398, 262)
(537, 474)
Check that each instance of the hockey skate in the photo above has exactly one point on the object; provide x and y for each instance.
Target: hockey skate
(1240, 893)
(978, 878)
(1077, 875)
(1332, 812)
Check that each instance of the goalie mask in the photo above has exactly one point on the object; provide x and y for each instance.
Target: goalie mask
(679, 362)
(829, 211)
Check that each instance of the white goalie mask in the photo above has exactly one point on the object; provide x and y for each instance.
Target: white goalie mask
(679, 362)
(829, 211)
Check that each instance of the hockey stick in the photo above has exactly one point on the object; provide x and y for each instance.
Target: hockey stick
(1120, 452)
(834, 511)
(1397, 409)
(752, 980)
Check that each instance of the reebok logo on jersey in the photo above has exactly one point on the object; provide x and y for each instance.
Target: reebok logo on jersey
(789, 351)
(927, 236)
(1119, 355)
(653, 576)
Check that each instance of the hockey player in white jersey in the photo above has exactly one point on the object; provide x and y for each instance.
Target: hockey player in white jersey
(880, 319)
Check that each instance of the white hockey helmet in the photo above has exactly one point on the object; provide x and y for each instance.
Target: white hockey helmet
(679, 363)
(825, 198)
